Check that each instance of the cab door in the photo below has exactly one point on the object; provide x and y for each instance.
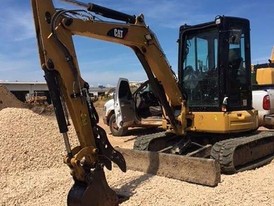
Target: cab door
(124, 106)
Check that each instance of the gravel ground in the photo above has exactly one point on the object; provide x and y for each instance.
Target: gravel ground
(33, 173)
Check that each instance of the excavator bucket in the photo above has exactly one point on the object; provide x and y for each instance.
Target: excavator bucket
(190, 169)
(96, 193)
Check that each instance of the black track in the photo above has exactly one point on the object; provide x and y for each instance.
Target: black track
(154, 142)
(248, 152)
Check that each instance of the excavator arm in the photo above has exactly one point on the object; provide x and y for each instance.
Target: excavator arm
(56, 29)
(69, 92)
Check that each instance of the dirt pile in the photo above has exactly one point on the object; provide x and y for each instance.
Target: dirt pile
(31, 155)
(42, 109)
(7, 99)
(29, 141)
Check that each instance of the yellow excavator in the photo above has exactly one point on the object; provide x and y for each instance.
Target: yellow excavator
(202, 111)
(264, 73)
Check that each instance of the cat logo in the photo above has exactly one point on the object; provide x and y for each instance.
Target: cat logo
(119, 33)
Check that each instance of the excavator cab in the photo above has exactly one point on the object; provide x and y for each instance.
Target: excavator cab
(214, 72)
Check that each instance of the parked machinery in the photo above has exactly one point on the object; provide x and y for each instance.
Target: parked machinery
(54, 30)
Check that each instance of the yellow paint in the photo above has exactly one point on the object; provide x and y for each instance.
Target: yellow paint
(265, 76)
(224, 122)
(84, 119)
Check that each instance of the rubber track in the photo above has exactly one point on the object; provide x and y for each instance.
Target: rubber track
(224, 151)
(143, 142)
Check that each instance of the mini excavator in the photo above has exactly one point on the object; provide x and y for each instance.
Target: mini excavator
(207, 112)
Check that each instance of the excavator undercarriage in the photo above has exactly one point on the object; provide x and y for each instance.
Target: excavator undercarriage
(234, 152)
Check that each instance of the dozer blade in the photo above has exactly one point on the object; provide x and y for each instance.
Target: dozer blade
(190, 169)
(96, 193)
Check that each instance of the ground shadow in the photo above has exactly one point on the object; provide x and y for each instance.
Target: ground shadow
(128, 189)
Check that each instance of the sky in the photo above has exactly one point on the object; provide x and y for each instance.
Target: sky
(102, 63)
